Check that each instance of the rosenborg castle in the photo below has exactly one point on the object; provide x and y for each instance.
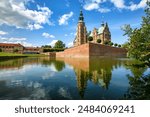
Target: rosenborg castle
(102, 33)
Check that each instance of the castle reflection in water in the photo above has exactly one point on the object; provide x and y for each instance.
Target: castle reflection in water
(96, 71)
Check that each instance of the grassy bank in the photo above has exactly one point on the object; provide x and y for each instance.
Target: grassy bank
(4, 55)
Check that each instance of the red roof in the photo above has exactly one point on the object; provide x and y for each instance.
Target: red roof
(11, 44)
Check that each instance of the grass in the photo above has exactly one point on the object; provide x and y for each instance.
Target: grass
(4, 55)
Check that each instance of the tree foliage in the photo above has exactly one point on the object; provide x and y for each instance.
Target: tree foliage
(139, 38)
(59, 44)
(0, 50)
(53, 49)
(99, 41)
(115, 44)
(106, 42)
(90, 38)
(119, 46)
(46, 46)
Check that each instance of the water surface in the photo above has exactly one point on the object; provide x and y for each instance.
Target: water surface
(46, 78)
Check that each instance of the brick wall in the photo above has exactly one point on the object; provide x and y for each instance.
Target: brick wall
(76, 52)
(92, 49)
(104, 50)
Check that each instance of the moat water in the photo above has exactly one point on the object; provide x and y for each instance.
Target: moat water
(96, 79)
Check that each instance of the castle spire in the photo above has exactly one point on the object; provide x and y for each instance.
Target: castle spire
(102, 24)
(81, 18)
(81, 37)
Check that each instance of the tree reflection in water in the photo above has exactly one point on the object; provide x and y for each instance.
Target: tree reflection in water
(139, 88)
(45, 78)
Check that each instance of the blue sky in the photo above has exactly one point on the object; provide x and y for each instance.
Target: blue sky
(43, 22)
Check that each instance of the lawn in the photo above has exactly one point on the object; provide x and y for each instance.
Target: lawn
(3, 54)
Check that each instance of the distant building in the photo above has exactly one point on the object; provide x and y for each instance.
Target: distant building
(31, 50)
(18, 48)
(11, 48)
(81, 36)
(102, 33)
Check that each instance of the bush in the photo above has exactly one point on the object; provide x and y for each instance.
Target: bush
(111, 43)
(53, 49)
(119, 46)
(115, 44)
(106, 42)
(0, 50)
(90, 38)
(15, 50)
(99, 41)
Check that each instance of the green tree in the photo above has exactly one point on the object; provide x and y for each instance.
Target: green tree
(46, 46)
(106, 42)
(111, 43)
(0, 50)
(99, 41)
(125, 45)
(115, 44)
(119, 46)
(59, 44)
(15, 50)
(139, 39)
(90, 38)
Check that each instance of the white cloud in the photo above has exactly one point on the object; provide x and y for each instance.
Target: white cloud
(91, 6)
(133, 6)
(104, 10)
(119, 3)
(15, 40)
(12, 39)
(67, 3)
(95, 5)
(3, 33)
(70, 44)
(52, 43)
(66, 35)
(64, 92)
(26, 44)
(46, 35)
(64, 18)
(15, 13)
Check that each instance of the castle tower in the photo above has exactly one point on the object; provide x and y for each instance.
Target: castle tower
(81, 37)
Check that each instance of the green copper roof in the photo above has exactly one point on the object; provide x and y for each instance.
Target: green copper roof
(91, 34)
(81, 18)
(101, 30)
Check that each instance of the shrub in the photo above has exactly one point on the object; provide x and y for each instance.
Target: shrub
(111, 43)
(53, 49)
(99, 41)
(119, 46)
(15, 50)
(90, 38)
(115, 44)
(106, 42)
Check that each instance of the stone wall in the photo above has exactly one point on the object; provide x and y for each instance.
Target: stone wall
(92, 50)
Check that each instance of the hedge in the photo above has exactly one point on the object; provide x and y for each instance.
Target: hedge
(53, 49)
